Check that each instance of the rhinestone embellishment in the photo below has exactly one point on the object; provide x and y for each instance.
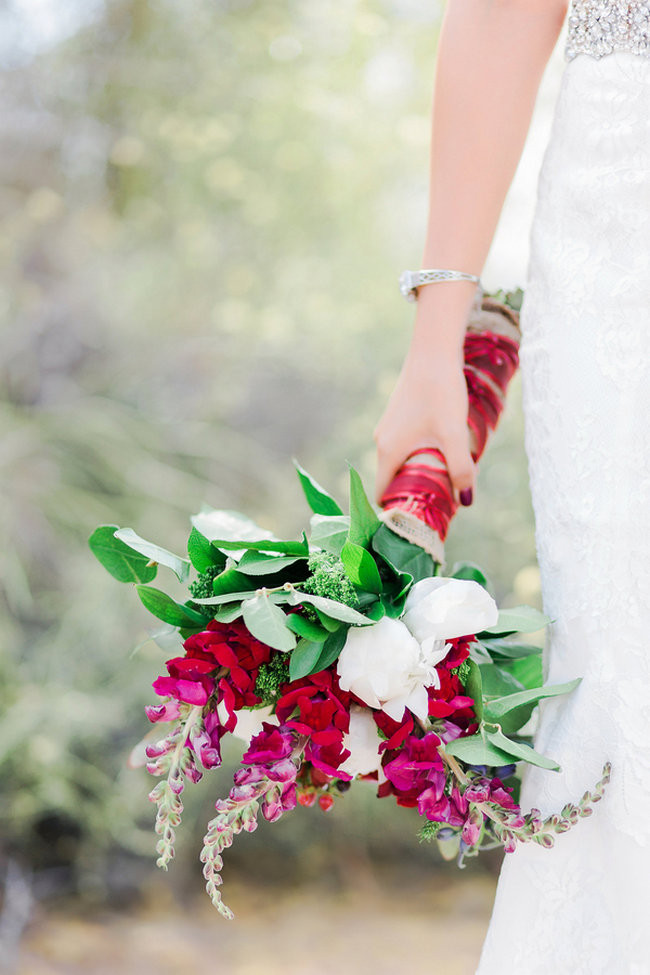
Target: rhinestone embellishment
(599, 27)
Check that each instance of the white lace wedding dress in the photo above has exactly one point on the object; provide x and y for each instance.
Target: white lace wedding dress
(582, 907)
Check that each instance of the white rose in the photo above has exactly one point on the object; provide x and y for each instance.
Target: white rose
(249, 722)
(383, 665)
(363, 741)
(442, 608)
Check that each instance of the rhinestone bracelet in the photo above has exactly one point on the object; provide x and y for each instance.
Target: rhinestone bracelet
(410, 281)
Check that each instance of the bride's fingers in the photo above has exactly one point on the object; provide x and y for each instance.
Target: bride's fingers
(461, 466)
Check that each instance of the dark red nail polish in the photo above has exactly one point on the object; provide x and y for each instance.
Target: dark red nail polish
(466, 496)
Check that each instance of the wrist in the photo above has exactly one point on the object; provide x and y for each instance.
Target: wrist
(442, 313)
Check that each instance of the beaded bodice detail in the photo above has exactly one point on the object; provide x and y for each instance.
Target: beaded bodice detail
(599, 27)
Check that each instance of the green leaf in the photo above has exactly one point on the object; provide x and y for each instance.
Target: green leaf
(338, 611)
(517, 718)
(474, 687)
(377, 610)
(501, 648)
(469, 570)
(518, 619)
(330, 532)
(317, 497)
(231, 581)
(203, 555)
(331, 649)
(306, 628)
(254, 563)
(522, 752)
(528, 670)
(501, 705)
(230, 597)
(498, 682)
(360, 567)
(476, 750)
(167, 609)
(181, 567)
(363, 520)
(329, 624)
(304, 659)
(402, 555)
(392, 609)
(228, 613)
(267, 622)
(123, 563)
(297, 548)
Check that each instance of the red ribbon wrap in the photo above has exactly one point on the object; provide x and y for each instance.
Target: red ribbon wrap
(418, 504)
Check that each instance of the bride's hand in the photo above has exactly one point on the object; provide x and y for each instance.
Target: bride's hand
(428, 408)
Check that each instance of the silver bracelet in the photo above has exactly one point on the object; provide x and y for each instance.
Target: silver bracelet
(410, 281)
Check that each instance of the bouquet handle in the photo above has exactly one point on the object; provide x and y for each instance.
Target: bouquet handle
(419, 503)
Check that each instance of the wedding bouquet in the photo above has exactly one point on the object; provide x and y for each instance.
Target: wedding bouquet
(348, 654)
(339, 656)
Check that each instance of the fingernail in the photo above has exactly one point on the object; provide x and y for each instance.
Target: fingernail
(466, 496)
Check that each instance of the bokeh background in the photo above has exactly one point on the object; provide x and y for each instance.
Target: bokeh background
(204, 210)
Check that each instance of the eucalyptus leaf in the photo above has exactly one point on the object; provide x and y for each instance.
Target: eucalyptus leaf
(317, 497)
(498, 682)
(299, 548)
(521, 751)
(219, 525)
(500, 648)
(329, 532)
(334, 609)
(518, 619)
(254, 563)
(363, 519)
(360, 567)
(165, 608)
(123, 562)
(230, 597)
(477, 750)
(527, 670)
(267, 622)
(181, 567)
(228, 613)
(501, 705)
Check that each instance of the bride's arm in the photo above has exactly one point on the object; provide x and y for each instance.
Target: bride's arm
(490, 60)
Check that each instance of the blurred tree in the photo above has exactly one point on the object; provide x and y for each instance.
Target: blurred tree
(204, 209)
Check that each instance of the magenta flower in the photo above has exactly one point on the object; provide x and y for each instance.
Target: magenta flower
(272, 744)
(163, 712)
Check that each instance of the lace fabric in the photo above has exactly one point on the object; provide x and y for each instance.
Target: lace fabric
(585, 370)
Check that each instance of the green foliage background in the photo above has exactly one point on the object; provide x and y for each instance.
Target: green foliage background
(205, 207)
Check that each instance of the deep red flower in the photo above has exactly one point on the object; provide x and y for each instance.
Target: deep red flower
(413, 768)
(449, 697)
(395, 731)
(317, 707)
(271, 744)
(458, 653)
(221, 646)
